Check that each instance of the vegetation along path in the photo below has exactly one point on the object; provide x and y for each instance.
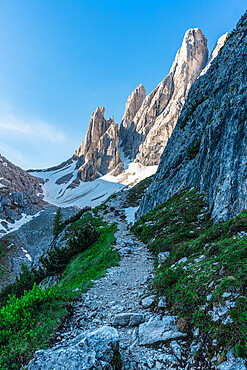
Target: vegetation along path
(123, 299)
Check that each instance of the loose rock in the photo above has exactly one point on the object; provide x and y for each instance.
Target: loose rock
(89, 350)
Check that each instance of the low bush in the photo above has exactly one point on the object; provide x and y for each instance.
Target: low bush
(57, 257)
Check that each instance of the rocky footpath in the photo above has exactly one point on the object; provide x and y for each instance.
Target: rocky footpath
(118, 306)
(208, 147)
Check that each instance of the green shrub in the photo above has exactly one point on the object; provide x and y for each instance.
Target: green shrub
(57, 223)
(24, 324)
(57, 257)
(75, 218)
(25, 281)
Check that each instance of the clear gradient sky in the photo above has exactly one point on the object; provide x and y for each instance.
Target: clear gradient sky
(60, 59)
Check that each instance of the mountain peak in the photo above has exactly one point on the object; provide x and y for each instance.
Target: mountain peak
(145, 133)
(100, 110)
(221, 41)
(133, 104)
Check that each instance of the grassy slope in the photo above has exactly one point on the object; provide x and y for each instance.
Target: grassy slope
(216, 263)
(44, 318)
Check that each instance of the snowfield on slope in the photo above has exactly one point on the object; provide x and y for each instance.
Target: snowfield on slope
(63, 193)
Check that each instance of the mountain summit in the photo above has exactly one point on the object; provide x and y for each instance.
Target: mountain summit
(146, 136)
(148, 121)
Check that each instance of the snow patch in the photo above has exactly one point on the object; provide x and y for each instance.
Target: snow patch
(27, 254)
(130, 214)
(92, 193)
(17, 224)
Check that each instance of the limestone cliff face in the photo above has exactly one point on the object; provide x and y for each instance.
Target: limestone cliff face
(208, 148)
(18, 193)
(99, 153)
(147, 134)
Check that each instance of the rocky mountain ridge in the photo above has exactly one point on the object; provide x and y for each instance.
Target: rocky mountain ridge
(147, 123)
(208, 147)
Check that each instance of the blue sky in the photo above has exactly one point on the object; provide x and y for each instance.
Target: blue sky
(60, 59)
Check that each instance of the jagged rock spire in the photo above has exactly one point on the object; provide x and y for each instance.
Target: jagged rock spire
(147, 134)
(98, 153)
(221, 41)
(133, 104)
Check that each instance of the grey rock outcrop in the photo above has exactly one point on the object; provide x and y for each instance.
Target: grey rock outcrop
(19, 193)
(158, 330)
(233, 363)
(208, 147)
(89, 350)
(98, 153)
(146, 136)
(29, 242)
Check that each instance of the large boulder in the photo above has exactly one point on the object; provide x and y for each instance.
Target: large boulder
(233, 363)
(89, 350)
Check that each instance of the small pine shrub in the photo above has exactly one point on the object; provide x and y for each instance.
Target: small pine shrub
(57, 223)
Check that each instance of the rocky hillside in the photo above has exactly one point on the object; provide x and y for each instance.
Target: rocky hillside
(146, 136)
(208, 147)
(19, 194)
